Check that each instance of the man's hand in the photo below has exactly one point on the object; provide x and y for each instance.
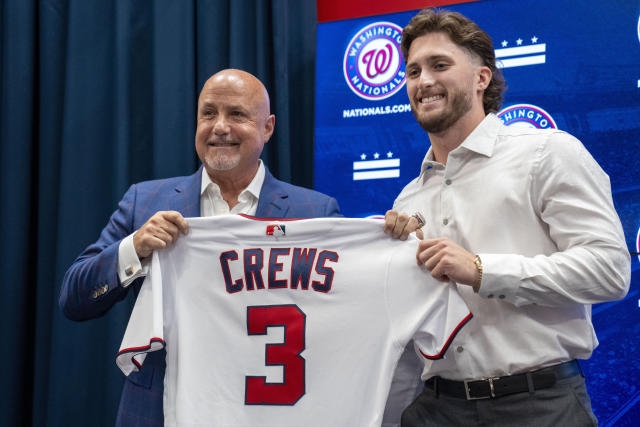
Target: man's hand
(447, 261)
(160, 230)
(399, 225)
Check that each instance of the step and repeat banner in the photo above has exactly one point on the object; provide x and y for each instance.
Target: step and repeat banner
(569, 65)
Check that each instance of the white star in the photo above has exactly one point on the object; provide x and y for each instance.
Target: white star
(534, 39)
(519, 41)
(389, 154)
(376, 155)
(363, 156)
(504, 43)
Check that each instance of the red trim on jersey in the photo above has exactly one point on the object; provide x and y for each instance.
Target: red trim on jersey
(334, 10)
(140, 350)
(143, 348)
(451, 337)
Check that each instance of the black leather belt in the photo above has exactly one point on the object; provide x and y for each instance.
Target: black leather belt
(490, 388)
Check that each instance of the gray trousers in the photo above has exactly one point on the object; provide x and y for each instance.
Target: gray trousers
(565, 404)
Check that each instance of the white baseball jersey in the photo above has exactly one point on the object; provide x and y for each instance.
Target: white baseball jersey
(286, 322)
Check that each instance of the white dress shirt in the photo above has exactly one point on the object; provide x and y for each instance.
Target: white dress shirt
(211, 204)
(537, 209)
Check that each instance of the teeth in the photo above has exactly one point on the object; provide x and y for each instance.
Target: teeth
(431, 98)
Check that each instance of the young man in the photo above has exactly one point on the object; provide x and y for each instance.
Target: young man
(522, 220)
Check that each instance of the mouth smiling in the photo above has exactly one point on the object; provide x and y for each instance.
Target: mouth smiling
(431, 99)
(222, 144)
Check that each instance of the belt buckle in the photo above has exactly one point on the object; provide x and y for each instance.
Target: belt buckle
(490, 380)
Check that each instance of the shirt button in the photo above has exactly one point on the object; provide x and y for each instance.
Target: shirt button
(448, 182)
(129, 270)
(445, 221)
(459, 349)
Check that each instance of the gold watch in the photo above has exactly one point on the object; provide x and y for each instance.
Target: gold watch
(478, 262)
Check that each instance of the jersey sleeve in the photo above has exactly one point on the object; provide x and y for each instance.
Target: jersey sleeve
(144, 332)
(422, 308)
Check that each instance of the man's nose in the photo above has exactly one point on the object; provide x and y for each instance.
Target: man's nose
(221, 126)
(426, 79)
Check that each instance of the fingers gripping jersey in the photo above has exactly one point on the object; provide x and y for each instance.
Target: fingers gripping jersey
(286, 323)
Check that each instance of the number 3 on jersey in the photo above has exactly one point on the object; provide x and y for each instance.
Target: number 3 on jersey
(285, 354)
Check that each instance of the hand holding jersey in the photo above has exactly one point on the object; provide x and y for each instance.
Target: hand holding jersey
(399, 225)
(161, 229)
(448, 261)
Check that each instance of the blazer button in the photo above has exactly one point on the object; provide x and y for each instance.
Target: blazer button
(94, 294)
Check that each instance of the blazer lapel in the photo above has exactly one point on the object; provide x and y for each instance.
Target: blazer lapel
(274, 200)
(187, 197)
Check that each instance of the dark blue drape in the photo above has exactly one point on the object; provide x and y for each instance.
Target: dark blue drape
(96, 95)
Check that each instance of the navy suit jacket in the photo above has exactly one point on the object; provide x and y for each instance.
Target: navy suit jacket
(91, 285)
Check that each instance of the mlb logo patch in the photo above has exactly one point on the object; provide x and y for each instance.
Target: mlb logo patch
(276, 230)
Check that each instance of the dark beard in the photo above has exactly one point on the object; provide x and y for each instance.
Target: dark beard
(460, 105)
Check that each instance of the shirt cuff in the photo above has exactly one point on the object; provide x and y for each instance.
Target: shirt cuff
(501, 277)
(129, 266)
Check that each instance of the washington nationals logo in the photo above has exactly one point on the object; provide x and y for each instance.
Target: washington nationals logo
(527, 115)
(373, 66)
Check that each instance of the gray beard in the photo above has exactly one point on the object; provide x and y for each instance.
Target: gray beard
(221, 163)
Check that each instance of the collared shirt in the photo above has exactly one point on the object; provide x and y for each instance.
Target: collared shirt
(211, 204)
(537, 209)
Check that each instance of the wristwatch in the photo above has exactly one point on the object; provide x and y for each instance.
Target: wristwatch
(478, 262)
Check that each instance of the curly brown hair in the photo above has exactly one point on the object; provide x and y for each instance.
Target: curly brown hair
(466, 34)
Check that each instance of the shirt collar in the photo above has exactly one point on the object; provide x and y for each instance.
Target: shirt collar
(253, 188)
(481, 140)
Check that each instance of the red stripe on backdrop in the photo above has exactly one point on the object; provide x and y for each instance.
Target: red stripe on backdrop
(334, 10)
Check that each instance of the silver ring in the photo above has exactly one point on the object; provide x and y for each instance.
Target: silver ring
(418, 216)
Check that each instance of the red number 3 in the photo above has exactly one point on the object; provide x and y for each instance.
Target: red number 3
(286, 354)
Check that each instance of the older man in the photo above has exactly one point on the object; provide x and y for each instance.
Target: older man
(234, 123)
(522, 220)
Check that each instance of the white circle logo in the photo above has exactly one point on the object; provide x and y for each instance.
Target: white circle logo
(373, 66)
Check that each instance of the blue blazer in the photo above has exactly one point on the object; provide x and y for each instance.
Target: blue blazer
(96, 269)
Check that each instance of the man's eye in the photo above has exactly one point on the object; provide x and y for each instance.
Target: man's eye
(413, 73)
(237, 115)
(441, 66)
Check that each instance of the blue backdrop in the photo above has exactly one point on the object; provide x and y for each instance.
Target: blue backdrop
(570, 65)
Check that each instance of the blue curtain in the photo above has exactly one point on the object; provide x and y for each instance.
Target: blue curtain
(96, 95)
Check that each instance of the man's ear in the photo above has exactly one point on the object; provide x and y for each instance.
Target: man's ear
(269, 126)
(484, 77)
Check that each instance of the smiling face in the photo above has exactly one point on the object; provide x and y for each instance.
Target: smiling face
(233, 124)
(444, 83)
